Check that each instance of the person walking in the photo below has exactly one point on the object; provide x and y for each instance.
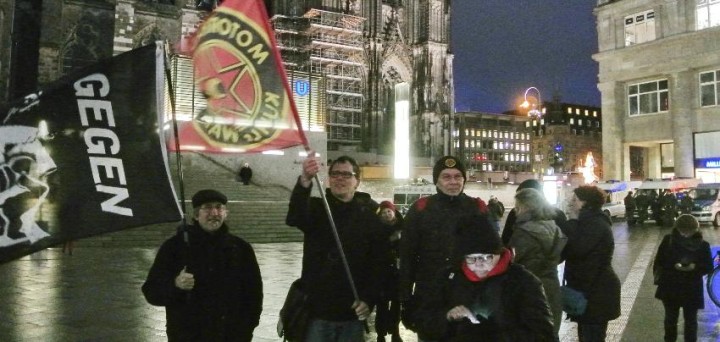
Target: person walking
(538, 243)
(508, 229)
(588, 262)
(387, 315)
(335, 314)
(496, 210)
(207, 279)
(484, 295)
(682, 260)
(245, 174)
(426, 247)
(630, 207)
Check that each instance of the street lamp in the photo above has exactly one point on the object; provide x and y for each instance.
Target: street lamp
(535, 109)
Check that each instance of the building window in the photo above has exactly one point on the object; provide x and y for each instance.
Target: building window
(708, 13)
(648, 98)
(640, 28)
(569, 110)
(710, 87)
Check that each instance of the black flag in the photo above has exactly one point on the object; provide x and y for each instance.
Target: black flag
(83, 156)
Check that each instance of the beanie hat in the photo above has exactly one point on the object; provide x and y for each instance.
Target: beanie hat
(530, 184)
(476, 235)
(447, 162)
(208, 195)
(388, 205)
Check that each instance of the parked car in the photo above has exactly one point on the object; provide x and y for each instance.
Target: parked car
(706, 203)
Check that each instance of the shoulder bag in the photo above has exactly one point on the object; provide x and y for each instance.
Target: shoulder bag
(294, 316)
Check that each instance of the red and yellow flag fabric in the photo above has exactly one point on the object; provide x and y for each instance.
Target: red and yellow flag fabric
(239, 70)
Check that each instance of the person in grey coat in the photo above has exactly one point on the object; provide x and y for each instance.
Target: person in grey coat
(588, 262)
(538, 243)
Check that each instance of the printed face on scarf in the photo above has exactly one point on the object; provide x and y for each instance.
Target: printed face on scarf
(343, 181)
(450, 182)
(210, 216)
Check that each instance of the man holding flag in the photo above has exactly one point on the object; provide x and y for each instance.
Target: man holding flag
(335, 315)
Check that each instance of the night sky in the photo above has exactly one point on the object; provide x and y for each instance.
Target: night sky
(503, 47)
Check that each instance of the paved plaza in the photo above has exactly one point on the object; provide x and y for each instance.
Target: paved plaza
(94, 295)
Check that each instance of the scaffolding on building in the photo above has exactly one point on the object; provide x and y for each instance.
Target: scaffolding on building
(328, 45)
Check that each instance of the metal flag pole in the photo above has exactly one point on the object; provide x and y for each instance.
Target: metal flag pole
(178, 156)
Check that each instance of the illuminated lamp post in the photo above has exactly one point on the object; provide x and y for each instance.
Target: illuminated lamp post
(535, 109)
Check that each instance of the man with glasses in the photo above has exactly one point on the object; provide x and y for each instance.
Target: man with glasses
(426, 247)
(207, 279)
(335, 315)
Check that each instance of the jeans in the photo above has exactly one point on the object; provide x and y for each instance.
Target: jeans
(327, 331)
(592, 332)
(671, 320)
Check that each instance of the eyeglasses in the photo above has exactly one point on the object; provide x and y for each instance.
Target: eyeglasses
(210, 207)
(341, 174)
(483, 258)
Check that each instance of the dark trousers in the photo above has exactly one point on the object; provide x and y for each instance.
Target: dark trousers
(671, 320)
(592, 332)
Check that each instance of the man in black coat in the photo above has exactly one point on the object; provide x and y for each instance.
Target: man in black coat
(207, 279)
(335, 314)
(428, 240)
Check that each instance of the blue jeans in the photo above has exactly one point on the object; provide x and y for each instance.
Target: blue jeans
(327, 331)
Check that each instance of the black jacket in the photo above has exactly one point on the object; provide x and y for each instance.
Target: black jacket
(427, 243)
(588, 265)
(225, 304)
(359, 228)
(514, 303)
(682, 288)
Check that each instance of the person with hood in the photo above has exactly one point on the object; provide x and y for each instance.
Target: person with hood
(588, 262)
(335, 314)
(682, 260)
(428, 239)
(387, 317)
(508, 229)
(484, 295)
(207, 279)
(538, 243)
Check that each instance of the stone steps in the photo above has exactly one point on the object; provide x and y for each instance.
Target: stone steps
(255, 212)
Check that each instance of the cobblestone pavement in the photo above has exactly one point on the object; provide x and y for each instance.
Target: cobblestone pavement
(95, 295)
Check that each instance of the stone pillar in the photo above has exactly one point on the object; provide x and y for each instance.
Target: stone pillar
(654, 168)
(613, 134)
(682, 96)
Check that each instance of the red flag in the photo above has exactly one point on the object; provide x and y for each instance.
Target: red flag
(239, 69)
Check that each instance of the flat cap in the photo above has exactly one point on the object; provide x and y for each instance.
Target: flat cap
(206, 196)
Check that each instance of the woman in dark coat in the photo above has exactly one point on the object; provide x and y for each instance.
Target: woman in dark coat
(588, 262)
(682, 260)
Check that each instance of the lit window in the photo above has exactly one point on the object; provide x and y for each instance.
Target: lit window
(572, 121)
(640, 28)
(595, 113)
(708, 14)
(467, 132)
(495, 145)
(577, 111)
(569, 110)
(710, 88)
(587, 112)
(648, 98)
(580, 122)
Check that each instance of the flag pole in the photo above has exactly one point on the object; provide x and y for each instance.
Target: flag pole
(178, 155)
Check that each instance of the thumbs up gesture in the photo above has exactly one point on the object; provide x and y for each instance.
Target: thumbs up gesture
(185, 281)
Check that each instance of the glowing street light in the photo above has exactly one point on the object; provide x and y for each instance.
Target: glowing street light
(535, 109)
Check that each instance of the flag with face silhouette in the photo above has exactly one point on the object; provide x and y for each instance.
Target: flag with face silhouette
(239, 71)
(83, 156)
